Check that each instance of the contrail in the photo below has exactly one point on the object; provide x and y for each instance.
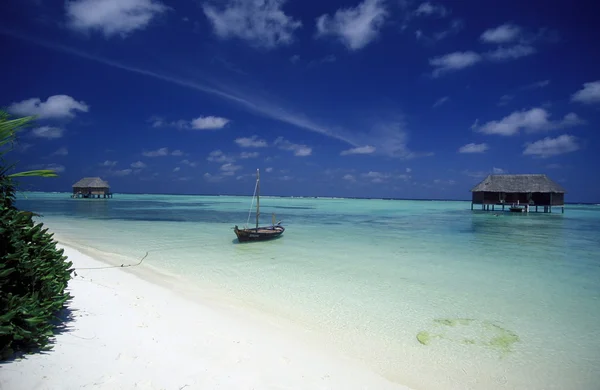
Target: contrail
(263, 109)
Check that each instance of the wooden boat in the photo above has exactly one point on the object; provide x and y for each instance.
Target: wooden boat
(258, 233)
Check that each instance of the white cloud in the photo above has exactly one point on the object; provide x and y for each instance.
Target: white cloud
(47, 132)
(589, 94)
(408, 170)
(109, 163)
(455, 27)
(367, 149)
(298, 149)
(391, 139)
(219, 157)
(269, 169)
(177, 152)
(209, 123)
(189, 163)
(248, 155)
(122, 172)
(112, 17)
(61, 152)
(453, 61)
(510, 53)
(376, 177)
(512, 44)
(440, 101)
(212, 178)
(201, 123)
(251, 142)
(504, 99)
(356, 26)
(176, 169)
(54, 167)
(229, 169)
(55, 107)
(138, 165)
(159, 122)
(473, 148)
(480, 174)
(262, 23)
(539, 84)
(549, 147)
(349, 177)
(156, 153)
(502, 34)
(327, 59)
(430, 9)
(535, 119)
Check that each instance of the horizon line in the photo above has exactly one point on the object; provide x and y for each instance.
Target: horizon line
(298, 196)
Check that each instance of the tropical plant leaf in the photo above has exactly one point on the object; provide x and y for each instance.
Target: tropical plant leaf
(38, 173)
(9, 127)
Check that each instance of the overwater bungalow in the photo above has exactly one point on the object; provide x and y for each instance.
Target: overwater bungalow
(521, 193)
(91, 187)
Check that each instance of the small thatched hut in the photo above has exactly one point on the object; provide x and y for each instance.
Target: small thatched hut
(91, 187)
(519, 190)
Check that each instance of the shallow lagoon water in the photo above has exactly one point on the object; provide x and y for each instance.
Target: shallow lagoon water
(506, 302)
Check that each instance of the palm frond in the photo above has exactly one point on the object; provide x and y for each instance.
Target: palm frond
(9, 127)
(37, 173)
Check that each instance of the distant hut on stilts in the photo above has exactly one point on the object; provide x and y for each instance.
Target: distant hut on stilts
(91, 187)
(520, 192)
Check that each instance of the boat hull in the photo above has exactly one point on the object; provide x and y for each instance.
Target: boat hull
(260, 234)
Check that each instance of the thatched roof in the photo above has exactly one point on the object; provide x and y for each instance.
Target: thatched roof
(518, 183)
(91, 182)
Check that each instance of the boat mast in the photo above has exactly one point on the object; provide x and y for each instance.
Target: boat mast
(257, 196)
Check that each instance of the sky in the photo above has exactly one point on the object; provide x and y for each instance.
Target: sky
(353, 98)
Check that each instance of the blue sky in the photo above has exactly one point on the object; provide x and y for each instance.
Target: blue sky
(371, 98)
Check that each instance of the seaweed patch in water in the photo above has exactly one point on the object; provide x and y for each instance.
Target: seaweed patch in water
(468, 331)
(453, 322)
(424, 338)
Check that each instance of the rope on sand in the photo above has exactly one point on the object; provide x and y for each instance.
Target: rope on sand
(114, 266)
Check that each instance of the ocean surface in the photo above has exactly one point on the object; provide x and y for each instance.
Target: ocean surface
(429, 294)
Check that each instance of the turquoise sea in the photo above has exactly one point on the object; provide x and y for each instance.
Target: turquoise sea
(429, 294)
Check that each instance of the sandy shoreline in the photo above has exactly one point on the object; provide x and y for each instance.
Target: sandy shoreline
(128, 333)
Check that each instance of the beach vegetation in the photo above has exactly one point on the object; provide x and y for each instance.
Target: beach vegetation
(33, 272)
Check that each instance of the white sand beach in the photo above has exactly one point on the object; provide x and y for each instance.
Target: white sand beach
(128, 333)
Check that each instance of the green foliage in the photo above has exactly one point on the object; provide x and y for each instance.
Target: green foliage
(33, 272)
